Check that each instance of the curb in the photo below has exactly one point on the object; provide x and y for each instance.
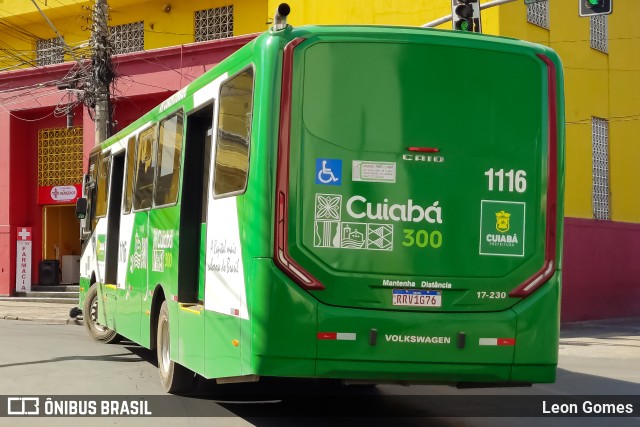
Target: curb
(597, 322)
(44, 320)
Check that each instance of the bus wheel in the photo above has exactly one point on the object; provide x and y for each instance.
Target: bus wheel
(96, 331)
(175, 378)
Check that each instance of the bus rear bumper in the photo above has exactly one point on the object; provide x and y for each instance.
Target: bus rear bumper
(313, 340)
(463, 375)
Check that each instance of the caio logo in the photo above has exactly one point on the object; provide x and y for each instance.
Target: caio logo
(63, 193)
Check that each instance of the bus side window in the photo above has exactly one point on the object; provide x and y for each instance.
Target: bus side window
(234, 134)
(128, 191)
(144, 170)
(169, 155)
(102, 185)
(90, 221)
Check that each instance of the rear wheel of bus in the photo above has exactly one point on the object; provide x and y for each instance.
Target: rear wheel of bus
(97, 332)
(174, 377)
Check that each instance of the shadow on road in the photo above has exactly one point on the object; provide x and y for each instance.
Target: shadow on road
(124, 357)
(291, 402)
(294, 402)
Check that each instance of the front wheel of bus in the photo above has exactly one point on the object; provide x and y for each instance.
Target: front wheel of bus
(175, 378)
(96, 331)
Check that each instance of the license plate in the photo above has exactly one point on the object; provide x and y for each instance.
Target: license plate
(417, 298)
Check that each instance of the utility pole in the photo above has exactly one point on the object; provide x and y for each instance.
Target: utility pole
(101, 70)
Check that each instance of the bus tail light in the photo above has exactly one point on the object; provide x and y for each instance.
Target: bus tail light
(548, 268)
(281, 251)
(282, 259)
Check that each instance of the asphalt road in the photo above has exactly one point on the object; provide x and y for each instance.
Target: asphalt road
(53, 360)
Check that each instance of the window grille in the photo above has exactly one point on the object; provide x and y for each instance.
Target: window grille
(49, 51)
(538, 14)
(59, 156)
(600, 33)
(127, 38)
(213, 24)
(600, 142)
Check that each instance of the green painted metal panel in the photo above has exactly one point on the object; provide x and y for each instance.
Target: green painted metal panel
(283, 322)
(192, 338)
(367, 215)
(539, 325)
(393, 371)
(135, 287)
(409, 337)
(222, 355)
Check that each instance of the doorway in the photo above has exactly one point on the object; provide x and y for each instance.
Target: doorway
(61, 241)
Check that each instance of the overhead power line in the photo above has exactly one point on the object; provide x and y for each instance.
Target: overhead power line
(69, 49)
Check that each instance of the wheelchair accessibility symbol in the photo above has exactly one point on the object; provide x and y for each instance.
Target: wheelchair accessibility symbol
(328, 171)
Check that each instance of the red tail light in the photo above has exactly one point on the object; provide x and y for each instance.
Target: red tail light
(281, 251)
(548, 268)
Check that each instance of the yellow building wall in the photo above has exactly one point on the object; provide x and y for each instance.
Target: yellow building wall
(624, 119)
(596, 84)
(163, 26)
(177, 26)
(586, 90)
(366, 12)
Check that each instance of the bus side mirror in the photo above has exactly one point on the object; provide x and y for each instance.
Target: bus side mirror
(81, 208)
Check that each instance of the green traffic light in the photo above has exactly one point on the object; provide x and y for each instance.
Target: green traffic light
(463, 25)
(594, 2)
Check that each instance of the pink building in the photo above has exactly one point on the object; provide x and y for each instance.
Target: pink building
(41, 159)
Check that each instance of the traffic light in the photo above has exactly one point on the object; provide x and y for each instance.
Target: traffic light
(465, 15)
(595, 7)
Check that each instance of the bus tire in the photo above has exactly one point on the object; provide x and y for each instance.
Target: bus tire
(174, 377)
(97, 332)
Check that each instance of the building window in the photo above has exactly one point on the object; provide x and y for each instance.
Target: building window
(538, 14)
(599, 33)
(600, 143)
(49, 51)
(127, 38)
(212, 24)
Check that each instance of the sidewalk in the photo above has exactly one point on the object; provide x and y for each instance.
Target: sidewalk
(43, 312)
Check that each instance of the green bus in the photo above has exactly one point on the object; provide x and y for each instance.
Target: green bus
(369, 204)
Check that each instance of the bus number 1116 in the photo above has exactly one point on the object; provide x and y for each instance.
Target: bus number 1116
(516, 180)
